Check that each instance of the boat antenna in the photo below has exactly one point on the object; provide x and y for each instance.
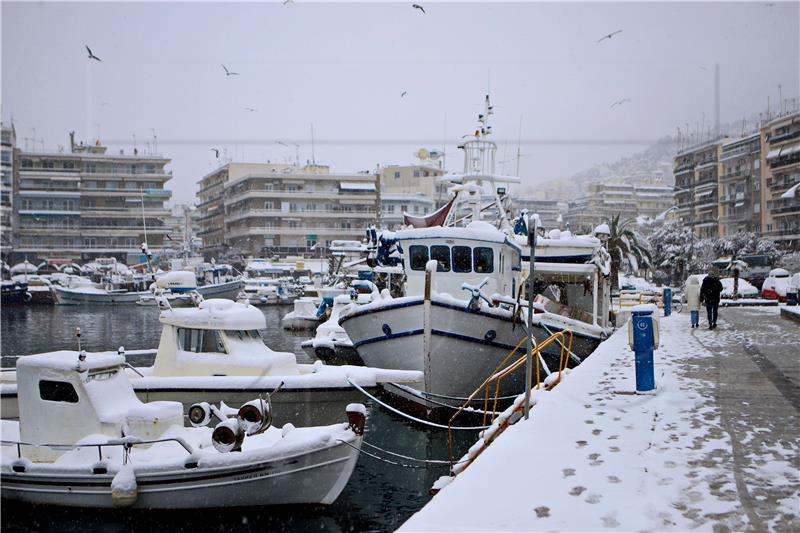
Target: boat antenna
(313, 159)
(145, 248)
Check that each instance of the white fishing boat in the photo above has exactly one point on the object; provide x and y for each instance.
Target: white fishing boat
(469, 318)
(261, 291)
(85, 440)
(215, 351)
(39, 287)
(311, 309)
(179, 287)
(331, 344)
(115, 284)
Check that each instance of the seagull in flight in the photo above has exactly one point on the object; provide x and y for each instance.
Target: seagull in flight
(619, 102)
(228, 72)
(403, 94)
(417, 6)
(288, 2)
(609, 36)
(91, 55)
(249, 109)
(216, 152)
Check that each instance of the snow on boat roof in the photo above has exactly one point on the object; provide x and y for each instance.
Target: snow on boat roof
(68, 360)
(477, 231)
(216, 313)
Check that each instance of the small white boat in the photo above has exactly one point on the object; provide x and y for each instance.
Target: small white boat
(215, 351)
(331, 343)
(85, 440)
(259, 291)
(311, 309)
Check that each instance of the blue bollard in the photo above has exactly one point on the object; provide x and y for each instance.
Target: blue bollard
(643, 339)
(667, 301)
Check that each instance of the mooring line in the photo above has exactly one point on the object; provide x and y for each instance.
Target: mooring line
(409, 417)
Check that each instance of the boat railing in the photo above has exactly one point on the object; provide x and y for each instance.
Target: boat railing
(503, 370)
(126, 442)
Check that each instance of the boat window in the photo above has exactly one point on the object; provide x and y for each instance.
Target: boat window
(442, 255)
(516, 263)
(57, 391)
(200, 340)
(419, 256)
(484, 260)
(462, 259)
(245, 334)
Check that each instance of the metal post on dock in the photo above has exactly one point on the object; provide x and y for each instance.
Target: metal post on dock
(532, 228)
(430, 267)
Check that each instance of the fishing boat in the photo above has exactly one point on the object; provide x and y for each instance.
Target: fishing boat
(462, 311)
(85, 440)
(259, 291)
(310, 310)
(39, 287)
(14, 292)
(215, 351)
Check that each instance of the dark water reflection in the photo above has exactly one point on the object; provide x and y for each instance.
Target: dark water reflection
(379, 496)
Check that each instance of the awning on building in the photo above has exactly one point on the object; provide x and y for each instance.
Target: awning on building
(356, 186)
(704, 193)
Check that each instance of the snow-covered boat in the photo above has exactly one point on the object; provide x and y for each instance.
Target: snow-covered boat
(459, 338)
(14, 292)
(85, 440)
(39, 288)
(179, 287)
(215, 351)
(310, 310)
(331, 344)
(259, 291)
(96, 296)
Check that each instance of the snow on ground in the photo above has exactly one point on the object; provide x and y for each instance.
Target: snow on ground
(594, 456)
(791, 309)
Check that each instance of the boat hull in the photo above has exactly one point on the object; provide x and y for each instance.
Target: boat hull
(335, 354)
(315, 477)
(76, 297)
(466, 346)
(228, 290)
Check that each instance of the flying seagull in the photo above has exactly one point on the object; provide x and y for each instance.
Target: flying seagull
(216, 152)
(609, 36)
(288, 2)
(91, 55)
(249, 109)
(417, 6)
(619, 102)
(228, 72)
(403, 94)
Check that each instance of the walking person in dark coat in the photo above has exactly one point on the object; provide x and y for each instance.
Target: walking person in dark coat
(710, 292)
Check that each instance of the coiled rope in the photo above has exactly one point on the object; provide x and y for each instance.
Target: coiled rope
(409, 417)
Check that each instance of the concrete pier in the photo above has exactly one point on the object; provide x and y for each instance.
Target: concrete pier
(715, 448)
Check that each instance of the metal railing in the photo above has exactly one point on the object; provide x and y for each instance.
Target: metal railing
(502, 371)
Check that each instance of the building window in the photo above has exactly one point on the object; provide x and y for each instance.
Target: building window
(390, 208)
(268, 205)
(416, 173)
(293, 224)
(403, 208)
(268, 186)
(396, 174)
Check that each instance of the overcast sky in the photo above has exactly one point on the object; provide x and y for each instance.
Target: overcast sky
(343, 67)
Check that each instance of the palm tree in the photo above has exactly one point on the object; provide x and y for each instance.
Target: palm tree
(625, 246)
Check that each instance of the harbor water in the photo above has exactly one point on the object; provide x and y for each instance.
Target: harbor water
(379, 496)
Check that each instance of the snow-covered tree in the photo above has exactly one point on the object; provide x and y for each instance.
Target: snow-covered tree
(626, 247)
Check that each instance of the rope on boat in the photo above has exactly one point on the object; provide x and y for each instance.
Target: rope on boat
(395, 463)
(472, 410)
(434, 395)
(409, 417)
(574, 357)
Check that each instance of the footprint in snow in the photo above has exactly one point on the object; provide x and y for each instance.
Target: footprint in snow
(610, 521)
(542, 512)
(588, 421)
(593, 498)
(581, 443)
(670, 464)
(613, 479)
(664, 481)
(596, 432)
(568, 472)
(614, 449)
(613, 437)
(577, 491)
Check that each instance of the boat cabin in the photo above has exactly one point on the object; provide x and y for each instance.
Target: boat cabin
(65, 396)
(217, 338)
(469, 255)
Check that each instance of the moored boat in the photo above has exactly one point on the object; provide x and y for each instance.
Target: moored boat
(85, 440)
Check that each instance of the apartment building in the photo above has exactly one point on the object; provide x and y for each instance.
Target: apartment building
(7, 156)
(604, 201)
(549, 211)
(414, 179)
(780, 163)
(739, 190)
(88, 203)
(267, 209)
(697, 171)
(394, 205)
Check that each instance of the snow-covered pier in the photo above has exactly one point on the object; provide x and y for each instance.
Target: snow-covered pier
(716, 447)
